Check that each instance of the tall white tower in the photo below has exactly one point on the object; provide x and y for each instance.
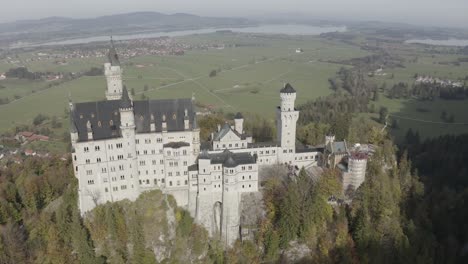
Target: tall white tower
(113, 74)
(286, 117)
(239, 123)
(127, 127)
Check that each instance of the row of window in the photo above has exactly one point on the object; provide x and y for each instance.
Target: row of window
(153, 152)
(148, 140)
(243, 187)
(230, 145)
(98, 148)
(306, 158)
(116, 188)
(267, 152)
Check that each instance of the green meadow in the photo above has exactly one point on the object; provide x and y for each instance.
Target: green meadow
(249, 77)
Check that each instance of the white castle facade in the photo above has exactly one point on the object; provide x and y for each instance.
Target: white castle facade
(121, 148)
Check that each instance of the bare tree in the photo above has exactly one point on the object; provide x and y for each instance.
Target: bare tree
(95, 196)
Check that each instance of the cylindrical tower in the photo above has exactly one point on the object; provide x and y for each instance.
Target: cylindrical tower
(287, 117)
(239, 123)
(357, 164)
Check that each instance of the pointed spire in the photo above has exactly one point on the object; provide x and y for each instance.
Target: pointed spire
(112, 55)
(71, 106)
(73, 128)
(125, 102)
(195, 124)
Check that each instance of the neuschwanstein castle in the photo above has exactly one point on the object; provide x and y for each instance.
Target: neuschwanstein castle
(123, 147)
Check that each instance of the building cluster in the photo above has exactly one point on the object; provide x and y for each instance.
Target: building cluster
(27, 136)
(162, 46)
(351, 161)
(438, 81)
(122, 147)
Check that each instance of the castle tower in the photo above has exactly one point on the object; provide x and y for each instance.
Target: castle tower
(286, 119)
(196, 137)
(73, 129)
(113, 74)
(239, 123)
(127, 127)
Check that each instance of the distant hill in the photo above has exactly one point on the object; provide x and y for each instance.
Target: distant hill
(62, 27)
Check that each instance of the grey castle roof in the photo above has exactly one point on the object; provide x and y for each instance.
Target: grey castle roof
(229, 159)
(176, 144)
(104, 116)
(337, 147)
(288, 89)
(193, 167)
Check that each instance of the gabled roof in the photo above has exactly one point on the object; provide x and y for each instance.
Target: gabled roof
(338, 147)
(288, 89)
(224, 131)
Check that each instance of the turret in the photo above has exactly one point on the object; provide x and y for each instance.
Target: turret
(127, 127)
(288, 98)
(196, 137)
(186, 120)
(113, 73)
(152, 124)
(89, 129)
(287, 117)
(127, 117)
(164, 123)
(73, 129)
(239, 123)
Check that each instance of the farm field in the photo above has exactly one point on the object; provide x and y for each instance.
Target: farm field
(248, 77)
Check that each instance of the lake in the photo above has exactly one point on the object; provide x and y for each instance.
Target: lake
(291, 29)
(440, 42)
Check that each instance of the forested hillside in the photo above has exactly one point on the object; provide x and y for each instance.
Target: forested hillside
(394, 218)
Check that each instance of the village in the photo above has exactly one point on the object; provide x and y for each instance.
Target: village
(17, 148)
(161, 46)
(434, 80)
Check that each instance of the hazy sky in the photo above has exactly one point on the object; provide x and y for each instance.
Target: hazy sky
(433, 12)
